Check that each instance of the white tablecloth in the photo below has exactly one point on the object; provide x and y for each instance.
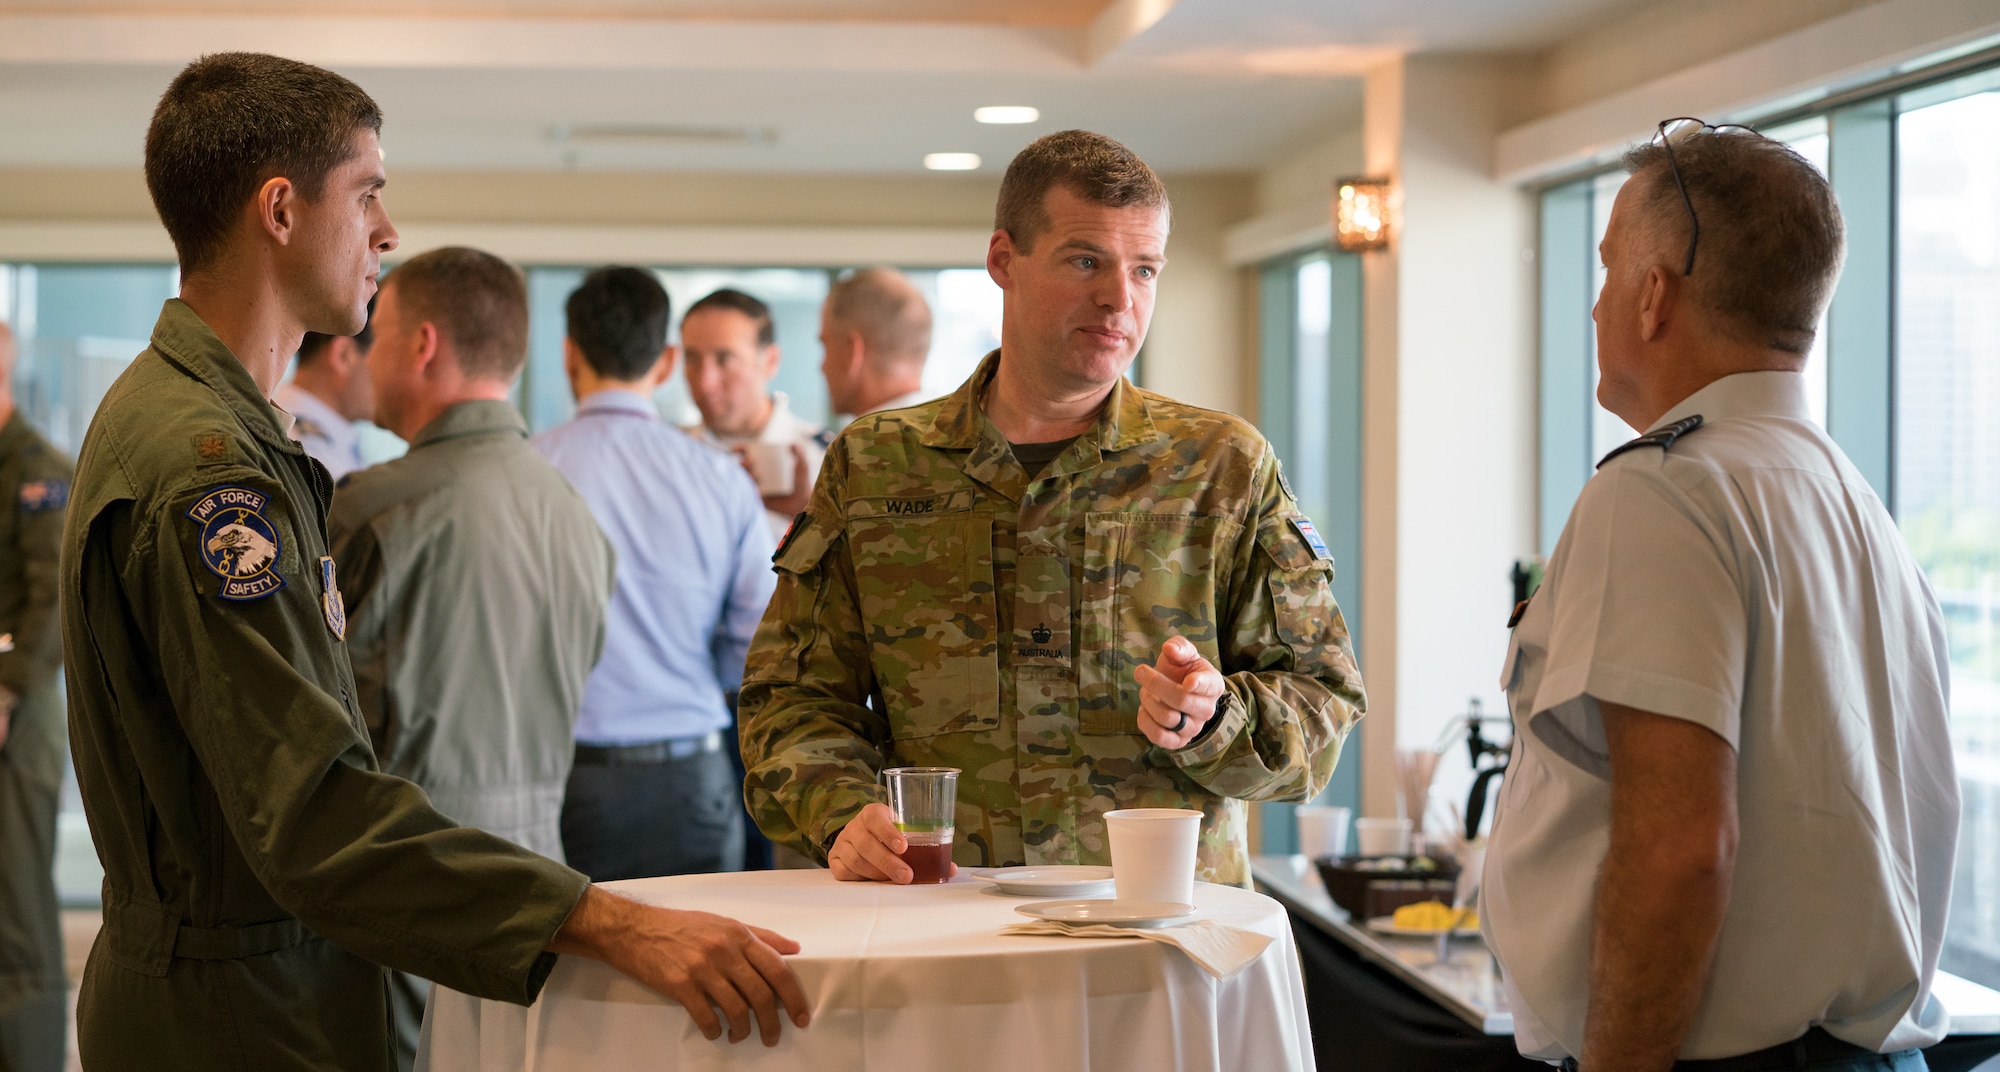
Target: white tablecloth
(910, 979)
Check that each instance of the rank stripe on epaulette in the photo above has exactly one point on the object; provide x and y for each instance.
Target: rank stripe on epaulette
(1662, 438)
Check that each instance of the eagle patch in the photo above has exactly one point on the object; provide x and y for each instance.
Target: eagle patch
(238, 544)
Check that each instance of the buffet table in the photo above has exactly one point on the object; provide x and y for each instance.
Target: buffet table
(910, 977)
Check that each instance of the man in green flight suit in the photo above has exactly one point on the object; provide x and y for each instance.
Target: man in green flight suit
(34, 487)
(981, 582)
(258, 866)
(475, 577)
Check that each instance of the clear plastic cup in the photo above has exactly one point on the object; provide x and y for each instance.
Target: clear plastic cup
(925, 800)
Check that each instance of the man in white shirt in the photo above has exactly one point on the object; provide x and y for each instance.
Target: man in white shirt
(875, 329)
(731, 349)
(329, 392)
(1727, 832)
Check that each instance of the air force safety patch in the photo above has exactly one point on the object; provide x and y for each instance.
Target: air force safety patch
(238, 544)
(329, 599)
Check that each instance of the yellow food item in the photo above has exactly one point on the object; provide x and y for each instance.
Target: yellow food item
(1435, 916)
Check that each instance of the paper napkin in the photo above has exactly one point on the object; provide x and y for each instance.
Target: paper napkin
(1221, 950)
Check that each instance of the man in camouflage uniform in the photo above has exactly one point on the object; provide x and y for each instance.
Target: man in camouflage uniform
(980, 582)
(34, 488)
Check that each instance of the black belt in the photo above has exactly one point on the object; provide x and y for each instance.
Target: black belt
(649, 752)
(1812, 1048)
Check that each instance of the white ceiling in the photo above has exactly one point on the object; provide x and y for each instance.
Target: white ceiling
(1194, 86)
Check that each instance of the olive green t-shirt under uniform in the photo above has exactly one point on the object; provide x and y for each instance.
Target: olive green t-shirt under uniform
(258, 866)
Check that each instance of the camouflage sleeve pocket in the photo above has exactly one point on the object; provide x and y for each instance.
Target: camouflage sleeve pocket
(791, 623)
(1301, 586)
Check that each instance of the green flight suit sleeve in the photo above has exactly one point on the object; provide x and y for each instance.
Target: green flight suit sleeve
(357, 855)
(31, 667)
(1294, 687)
(812, 744)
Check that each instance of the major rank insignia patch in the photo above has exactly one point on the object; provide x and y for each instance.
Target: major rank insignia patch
(238, 544)
(329, 599)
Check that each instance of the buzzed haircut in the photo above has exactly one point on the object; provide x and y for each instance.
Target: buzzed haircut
(728, 298)
(886, 308)
(314, 345)
(618, 319)
(1091, 166)
(478, 301)
(1772, 240)
(232, 121)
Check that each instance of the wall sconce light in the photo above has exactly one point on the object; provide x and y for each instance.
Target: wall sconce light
(1361, 214)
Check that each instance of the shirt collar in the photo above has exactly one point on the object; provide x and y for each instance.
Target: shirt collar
(618, 400)
(1125, 421)
(1744, 394)
(478, 417)
(298, 403)
(185, 340)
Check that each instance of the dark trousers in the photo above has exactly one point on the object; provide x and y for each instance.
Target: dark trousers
(34, 993)
(642, 820)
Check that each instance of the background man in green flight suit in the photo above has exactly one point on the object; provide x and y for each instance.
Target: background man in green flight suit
(258, 866)
(34, 487)
(475, 577)
(982, 581)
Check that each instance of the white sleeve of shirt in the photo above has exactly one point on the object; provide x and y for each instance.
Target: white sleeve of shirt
(1650, 614)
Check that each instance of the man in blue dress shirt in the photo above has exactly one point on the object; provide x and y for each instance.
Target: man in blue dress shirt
(654, 789)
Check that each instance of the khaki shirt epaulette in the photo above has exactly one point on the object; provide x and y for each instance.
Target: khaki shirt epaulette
(34, 490)
(224, 767)
(935, 606)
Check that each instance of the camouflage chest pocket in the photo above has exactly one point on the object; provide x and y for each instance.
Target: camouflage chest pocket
(1302, 607)
(923, 570)
(1146, 577)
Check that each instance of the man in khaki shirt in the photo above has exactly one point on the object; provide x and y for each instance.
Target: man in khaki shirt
(474, 575)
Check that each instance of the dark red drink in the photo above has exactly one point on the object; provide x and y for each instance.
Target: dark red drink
(931, 864)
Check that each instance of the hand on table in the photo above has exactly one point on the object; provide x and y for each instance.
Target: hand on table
(1177, 694)
(867, 846)
(705, 962)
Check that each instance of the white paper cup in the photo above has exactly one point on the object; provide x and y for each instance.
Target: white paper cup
(1152, 853)
(1383, 837)
(1322, 830)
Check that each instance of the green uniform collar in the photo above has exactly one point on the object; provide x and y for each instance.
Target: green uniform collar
(480, 417)
(960, 424)
(186, 340)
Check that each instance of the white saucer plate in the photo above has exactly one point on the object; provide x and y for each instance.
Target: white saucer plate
(1061, 880)
(1110, 913)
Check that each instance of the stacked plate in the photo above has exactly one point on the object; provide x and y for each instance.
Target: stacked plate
(1060, 880)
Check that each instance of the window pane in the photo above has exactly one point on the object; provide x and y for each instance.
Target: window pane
(1947, 461)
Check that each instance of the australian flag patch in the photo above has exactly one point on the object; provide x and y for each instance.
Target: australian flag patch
(40, 495)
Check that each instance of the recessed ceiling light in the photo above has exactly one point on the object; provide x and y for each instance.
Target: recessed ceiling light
(952, 161)
(1007, 113)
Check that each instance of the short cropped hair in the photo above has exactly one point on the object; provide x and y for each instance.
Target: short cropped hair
(1772, 240)
(728, 298)
(618, 319)
(1091, 166)
(315, 344)
(232, 121)
(886, 308)
(478, 301)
